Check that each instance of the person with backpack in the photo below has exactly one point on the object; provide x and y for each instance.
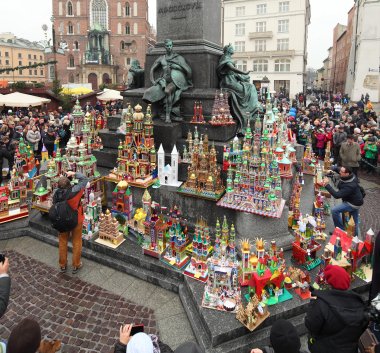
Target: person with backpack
(67, 217)
(336, 317)
(351, 193)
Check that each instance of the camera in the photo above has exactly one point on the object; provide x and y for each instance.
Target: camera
(2, 258)
(330, 174)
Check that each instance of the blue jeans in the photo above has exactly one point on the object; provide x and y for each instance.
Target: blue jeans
(337, 213)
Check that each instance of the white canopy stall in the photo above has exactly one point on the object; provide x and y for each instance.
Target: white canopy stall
(17, 99)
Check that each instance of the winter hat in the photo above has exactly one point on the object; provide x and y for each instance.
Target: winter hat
(25, 337)
(284, 337)
(140, 343)
(337, 277)
(357, 130)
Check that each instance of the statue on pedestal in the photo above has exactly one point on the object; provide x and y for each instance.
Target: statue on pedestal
(135, 75)
(244, 102)
(175, 78)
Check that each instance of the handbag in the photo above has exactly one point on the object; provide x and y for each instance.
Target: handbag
(366, 340)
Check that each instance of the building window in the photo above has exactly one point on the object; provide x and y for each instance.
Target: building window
(71, 61)
(127, 29)
(29, 56)
(41, 57)
(282, 65)
(261, 26)
(260, 65)
(260, 45)
(35, 72)
(122, 45)
(283, 26)
(35, 57)
(19, 63)
(76, 45)
(71, 78)
(99, 14)
(261, 9)
(69, 9)
(19, 55)
(240, 29)
(20, 72)
(6, 62)
(128, 61)
(241, 65)
(6, 54)
(70, 28)
(283, 6)
(283, 44)
(127, 9)
(240, 11)
(30, 72)
(118, 9)
(239, 46)
(41, 72)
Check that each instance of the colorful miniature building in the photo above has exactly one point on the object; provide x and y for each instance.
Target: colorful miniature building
(221, 114)
(305, 246)
(267, 280)
(203, 175)
(25, 161)
(198, 117)
(309, 161)
(136, 161)
(168, 174)
(155, 235)
(201, 250)
(253, 315)
(91, 220)
(109, 233)
(122, 199)
(13, 198)
(222, 290)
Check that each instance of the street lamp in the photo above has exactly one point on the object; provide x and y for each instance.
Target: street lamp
(264, 85)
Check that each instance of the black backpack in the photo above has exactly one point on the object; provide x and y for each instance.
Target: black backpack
(63, 218)
(362, 191)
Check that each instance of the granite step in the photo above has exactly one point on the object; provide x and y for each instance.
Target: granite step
(111, 139)
(128, 253)
(106, 158)
(113, 122)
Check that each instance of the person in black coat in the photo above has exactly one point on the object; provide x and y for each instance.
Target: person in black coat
(351, 195)
(335, 318)
(5, 286)
(48, 139)
(375, 283)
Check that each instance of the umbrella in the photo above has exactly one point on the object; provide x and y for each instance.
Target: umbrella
(17, 99)
(76, 91)
(109, 95)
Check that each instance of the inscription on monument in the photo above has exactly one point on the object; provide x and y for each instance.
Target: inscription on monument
(179, 11)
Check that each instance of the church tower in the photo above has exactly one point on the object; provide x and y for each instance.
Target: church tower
(174, 165)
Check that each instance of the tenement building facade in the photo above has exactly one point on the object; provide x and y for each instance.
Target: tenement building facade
(269, 37)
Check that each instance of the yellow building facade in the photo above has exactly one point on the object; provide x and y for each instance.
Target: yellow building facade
(15, 52)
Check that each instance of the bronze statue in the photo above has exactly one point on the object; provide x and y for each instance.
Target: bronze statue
(244, 102)
(175, 78)
(135, 75)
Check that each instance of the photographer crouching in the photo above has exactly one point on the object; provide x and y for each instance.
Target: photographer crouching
(349, 191)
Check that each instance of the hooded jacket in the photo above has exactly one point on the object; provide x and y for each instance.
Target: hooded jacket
(335, 320)
(350, 154)
(348, 191)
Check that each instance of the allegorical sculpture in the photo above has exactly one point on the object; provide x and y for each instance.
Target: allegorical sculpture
(244, 102)
(135, 75)
(175, 78)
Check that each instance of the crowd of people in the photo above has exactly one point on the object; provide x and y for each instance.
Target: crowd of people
(40, 128)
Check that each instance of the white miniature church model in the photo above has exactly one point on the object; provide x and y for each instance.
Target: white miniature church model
(168, 174)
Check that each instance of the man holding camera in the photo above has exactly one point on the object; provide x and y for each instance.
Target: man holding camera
(350, 193)
(5, 284)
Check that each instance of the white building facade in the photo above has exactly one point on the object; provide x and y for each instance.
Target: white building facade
(269, 38)
(363, 74)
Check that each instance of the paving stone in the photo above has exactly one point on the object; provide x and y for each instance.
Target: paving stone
(41, 292)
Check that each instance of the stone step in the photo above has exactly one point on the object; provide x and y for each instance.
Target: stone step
(129, 254)
(107, 157)
(111, 139)
(113, 122)
(214, 133)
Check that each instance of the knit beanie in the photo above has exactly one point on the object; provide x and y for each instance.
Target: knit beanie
(337, 277)
(284, 337)
(25, 337)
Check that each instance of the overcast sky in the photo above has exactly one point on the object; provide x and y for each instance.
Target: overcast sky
(25, 18)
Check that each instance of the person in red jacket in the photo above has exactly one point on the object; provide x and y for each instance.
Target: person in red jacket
(321, 143)
(73, 194)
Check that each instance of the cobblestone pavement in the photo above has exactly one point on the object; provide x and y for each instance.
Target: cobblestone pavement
(84, 316)
(115, 287)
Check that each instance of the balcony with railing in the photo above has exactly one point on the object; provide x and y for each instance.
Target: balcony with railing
(260, 35)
